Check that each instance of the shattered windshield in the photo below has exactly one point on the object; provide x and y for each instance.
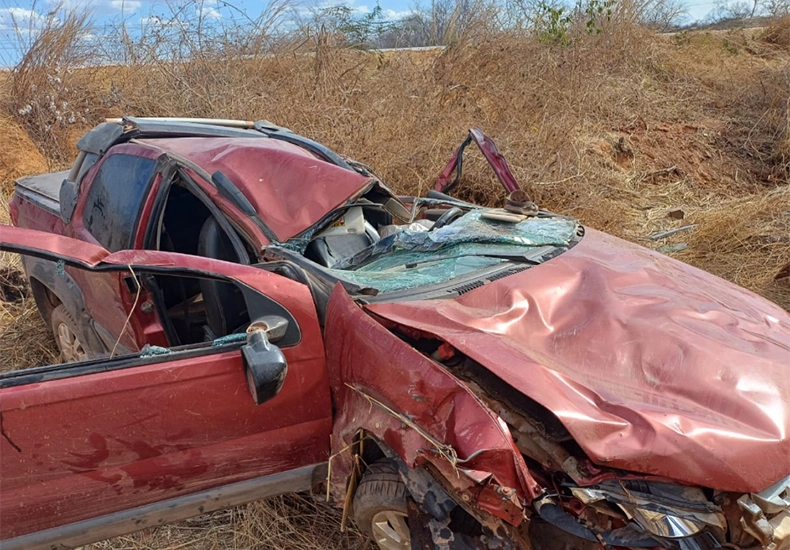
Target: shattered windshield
(418, 256)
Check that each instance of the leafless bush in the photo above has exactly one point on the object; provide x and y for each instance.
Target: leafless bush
(192, 51)
(52, 87)
(777, 32)
(776, 9)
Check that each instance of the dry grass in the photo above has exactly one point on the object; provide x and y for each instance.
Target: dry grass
(616, 129)
(25, 340)
(19, 156)
(778, 32)
(289, 522)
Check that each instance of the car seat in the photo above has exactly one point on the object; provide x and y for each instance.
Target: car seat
(226, 308)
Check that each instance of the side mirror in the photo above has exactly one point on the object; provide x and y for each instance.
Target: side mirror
(264, 363)
(68, 200)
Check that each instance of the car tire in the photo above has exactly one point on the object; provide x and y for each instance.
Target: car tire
(67, 335)
(380, 507)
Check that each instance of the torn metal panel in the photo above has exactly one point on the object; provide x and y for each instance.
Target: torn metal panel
(645, 360)
(50, 246)
(495, 159)
(427, 416)
(766, 515)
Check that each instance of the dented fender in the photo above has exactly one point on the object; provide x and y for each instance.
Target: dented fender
(418, 409)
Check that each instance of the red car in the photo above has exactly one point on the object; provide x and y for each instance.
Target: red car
(249, 313)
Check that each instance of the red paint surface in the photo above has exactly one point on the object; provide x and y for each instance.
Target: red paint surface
(94, 444)
(289, 187)
(363, 354)
(25, 213)
(23, 240)
(652, 365)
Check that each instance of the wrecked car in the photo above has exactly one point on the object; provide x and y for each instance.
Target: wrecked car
(245, 313)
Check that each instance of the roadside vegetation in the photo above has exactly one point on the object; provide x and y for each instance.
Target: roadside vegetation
(601, 117)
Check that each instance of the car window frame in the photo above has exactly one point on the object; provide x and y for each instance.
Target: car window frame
(89, 178)
(57, 371)
(171, 171)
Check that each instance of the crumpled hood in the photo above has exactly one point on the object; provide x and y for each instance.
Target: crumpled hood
(652, 365)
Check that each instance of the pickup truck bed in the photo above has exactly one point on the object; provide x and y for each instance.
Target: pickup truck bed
(43, 190)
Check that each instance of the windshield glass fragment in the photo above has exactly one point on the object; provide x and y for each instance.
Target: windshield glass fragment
(412, 258)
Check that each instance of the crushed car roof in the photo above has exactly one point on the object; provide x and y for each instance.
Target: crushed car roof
(290, 188)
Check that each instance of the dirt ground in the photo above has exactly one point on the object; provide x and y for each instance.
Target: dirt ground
(635, 134)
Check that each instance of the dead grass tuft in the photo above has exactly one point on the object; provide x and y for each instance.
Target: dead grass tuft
(745, 240)
(19, 155)
(778, 32)
(53, 88)
(289, 522)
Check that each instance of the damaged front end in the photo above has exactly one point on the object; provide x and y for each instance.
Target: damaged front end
(621, 509)
(536, 489)
(578, 392)
(766, 515)
(584, 507)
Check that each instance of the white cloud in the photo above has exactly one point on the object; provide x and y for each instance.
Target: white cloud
(350, 4)
(126, 5)
(393, 15)
(16, 17)
(152, 20)
(209, 12)
(157, 21)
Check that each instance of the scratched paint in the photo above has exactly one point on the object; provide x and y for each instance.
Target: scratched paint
(364, 355)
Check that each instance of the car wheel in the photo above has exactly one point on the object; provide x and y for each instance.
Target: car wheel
(67, 336)
(380, 507)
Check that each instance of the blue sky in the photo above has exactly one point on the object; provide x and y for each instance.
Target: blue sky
(30, 13)
(136, 14)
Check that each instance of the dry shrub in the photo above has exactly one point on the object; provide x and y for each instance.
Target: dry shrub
(25, 340)
(52, 89)
(777, 32)
(782, 152)
(745, 240)
(19, 155)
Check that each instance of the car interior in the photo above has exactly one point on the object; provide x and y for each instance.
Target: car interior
(198, 310)
(355, 231)
(375, 215)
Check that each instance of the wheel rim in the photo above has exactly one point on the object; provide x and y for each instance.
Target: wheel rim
(391, 530)
(69, 344)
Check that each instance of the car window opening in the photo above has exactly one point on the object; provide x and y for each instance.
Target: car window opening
(196, 310)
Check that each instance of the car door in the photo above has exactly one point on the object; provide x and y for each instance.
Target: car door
(102, 447)
(113, 197)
